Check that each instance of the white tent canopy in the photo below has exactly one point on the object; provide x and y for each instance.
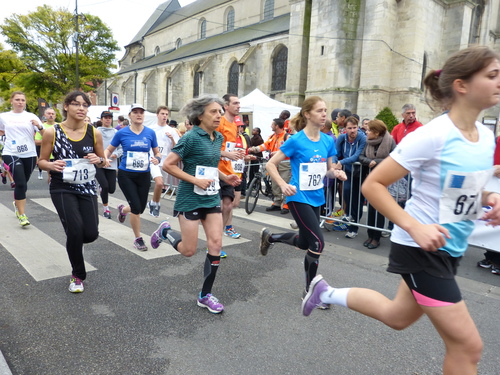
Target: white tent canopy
(263, 110)
(96, 110)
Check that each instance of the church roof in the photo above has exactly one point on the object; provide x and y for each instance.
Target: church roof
(246, 34)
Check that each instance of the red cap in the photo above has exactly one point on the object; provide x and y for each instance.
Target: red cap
(237, 121)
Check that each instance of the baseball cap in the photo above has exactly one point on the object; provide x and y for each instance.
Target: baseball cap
(135, 106)
(237, 121)
(106, 113)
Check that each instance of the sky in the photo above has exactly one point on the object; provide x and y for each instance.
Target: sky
(124, 17)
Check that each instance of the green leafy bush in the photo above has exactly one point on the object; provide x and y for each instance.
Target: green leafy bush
(388, 118)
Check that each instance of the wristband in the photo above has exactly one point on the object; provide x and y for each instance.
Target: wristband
(158, 158)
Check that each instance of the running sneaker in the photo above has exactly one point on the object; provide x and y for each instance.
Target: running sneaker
(264, 241)
(339, 227)
(121, 216)
(23, 220)
(151, 206)
(140, 245)
(4, 179)
(157, 236)
(107, 214)
(386, 234)
(40, 175)
(222, 253)
(495, 269)
(312, 298)
(156, 210)
(12, 185)
(231, 232)
(16, 211)
(351, 234)
(321, 306)
(211, 303)
(485, 263)
(75, 285)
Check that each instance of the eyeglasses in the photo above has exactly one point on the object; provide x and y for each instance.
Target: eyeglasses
(76, 104)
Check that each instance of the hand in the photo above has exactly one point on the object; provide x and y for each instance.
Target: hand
(203, 183)
(57, 165)
(492, 218)
(154, 160)
(288, 189)
(338, 165)
(93, 158)
(233, 180)
(372, 164)
(35, 123)
(430, 237)
(340, 174)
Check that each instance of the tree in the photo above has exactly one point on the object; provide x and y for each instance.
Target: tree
(43, 40)
(388, 118)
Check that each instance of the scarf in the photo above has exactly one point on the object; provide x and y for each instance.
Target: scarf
(379, 148)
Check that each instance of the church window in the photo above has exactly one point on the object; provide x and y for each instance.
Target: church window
(268, 10)
(233, 77)
(203, 28)
(279, 69)
(230, 20)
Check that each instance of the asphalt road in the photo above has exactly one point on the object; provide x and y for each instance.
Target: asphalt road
(138, 314)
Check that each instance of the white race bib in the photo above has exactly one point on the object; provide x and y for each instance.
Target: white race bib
(238, 165)
(78, 171)
(461, 196)
(137, 161)
(311, 175)
(209, 173)
(22, 146)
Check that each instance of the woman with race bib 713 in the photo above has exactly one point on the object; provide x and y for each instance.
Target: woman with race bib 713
(310, 152)
(19, 153)
(134, 176)
(77, 149)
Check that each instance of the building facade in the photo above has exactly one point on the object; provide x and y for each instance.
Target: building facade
(363, 55)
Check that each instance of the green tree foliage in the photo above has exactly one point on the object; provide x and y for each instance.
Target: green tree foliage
(43, 40)
(388, 118)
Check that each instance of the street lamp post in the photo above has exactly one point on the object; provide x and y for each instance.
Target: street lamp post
(76, 37)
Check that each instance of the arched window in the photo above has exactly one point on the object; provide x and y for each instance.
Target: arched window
(475, 25)
(279, 69)
(268, 10)
(233, 77)
(197, 83)
(203, 28)
(178, 43)
(230, 20)
(157, 51)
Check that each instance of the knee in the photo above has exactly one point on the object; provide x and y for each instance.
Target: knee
(188, 251)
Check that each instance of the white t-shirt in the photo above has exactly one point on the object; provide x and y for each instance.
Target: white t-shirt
(449, 172)
(165, 144)
(19, 133)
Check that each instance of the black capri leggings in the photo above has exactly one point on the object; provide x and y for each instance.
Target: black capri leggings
(21, 169)
(307, 218)
(107, 182)
(78, 215)
(135, 187)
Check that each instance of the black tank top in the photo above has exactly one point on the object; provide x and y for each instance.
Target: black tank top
(66, 148)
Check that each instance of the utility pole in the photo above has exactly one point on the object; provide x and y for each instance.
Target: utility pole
(76, 38)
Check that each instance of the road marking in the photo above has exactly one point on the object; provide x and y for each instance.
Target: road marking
(41, 256)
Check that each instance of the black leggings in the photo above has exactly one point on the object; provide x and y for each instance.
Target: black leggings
(135, 186)
(307, 218)
(78, 215)
(21, 169)
(107, 182)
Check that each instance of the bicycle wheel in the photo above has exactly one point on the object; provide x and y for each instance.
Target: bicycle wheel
(252, 195)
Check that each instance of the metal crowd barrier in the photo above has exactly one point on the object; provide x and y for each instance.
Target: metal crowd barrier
(346, 205)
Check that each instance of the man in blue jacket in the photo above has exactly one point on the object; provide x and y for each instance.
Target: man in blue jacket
(349, 147)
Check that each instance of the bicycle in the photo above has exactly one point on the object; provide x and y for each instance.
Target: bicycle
(261, 183)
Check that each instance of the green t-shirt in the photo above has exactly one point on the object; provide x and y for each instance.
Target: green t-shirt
(196, 148)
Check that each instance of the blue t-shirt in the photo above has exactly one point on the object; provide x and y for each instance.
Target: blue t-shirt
(132, 142)
(300, 149)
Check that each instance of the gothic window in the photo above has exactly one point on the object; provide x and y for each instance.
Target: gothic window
(203, 28)
(268, 10)
(196, 84)
(279, 69)
(178, 43)
(230, 20)
(475, 26)
(232, 84)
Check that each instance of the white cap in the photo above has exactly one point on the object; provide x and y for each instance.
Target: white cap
(134, 106)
